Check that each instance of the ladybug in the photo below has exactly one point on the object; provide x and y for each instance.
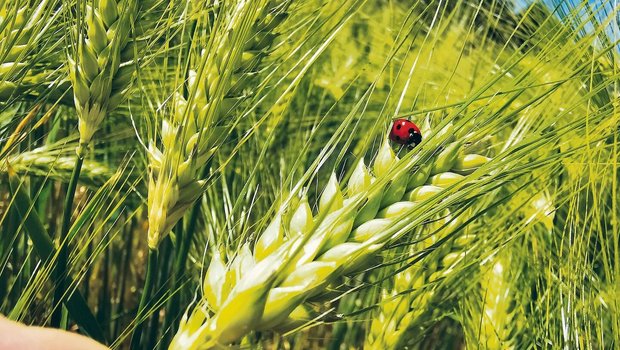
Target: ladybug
(405, 132)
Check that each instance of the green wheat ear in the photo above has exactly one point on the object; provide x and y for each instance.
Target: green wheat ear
(43, 162)
(191, 132)
(21, 27)
(101, 68)
(283, 271)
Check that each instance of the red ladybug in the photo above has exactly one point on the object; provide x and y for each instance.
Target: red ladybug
(405, 132)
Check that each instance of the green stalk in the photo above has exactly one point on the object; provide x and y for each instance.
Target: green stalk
(126, 259)
(104, 306)
(151, 270)
(61, 263)
(20, 244)
(160, 278)
(7, 241)
(88, 273)
(178, 270)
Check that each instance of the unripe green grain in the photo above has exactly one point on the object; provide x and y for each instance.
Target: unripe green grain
(270, 240)
(301, 315)
(419, 176)
(466, 164)
(359, 180)
(464, 240)
(397, 209)
(337, 252)
(332, 198)
(109, 11)
(423, 193)
(6, 89)
(216, 286)
(286, 297)
(446, 158)
(385, 159)
(301, 222)
(445, 179)
(367, 230)
(337, 226)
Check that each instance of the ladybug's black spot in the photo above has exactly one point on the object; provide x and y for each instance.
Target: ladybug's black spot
(397, 137)
(415, 138)
(398, 127)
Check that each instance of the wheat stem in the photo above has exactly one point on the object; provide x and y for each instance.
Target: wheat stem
(61, 263)
(151, 271)
(179, 271)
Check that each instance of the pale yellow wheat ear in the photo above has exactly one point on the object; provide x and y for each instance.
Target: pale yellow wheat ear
(410, 296)
(101, 67)
(493, 313)
(494, 317)
(407, 297)
(195, 123)
(296, 259)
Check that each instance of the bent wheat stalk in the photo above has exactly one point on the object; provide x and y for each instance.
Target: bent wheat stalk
(296, 259)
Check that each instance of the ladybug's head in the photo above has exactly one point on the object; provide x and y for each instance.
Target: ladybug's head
(415, 138)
